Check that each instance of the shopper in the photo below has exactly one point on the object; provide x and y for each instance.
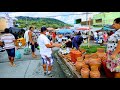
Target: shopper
(105, 37)
(54, 36)
(95, 36)
(45, 50)
(26, 37)
(32, 40)
(9, 45)
(113, 50)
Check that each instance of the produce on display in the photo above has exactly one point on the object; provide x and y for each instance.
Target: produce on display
(88, 65)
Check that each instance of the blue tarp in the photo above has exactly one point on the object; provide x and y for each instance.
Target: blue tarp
(64, 31)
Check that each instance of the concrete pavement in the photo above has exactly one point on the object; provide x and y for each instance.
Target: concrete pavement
(26, 67)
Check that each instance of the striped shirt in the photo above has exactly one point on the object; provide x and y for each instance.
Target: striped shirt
(8, 40)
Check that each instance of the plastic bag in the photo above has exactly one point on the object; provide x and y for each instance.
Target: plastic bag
(17, 54)
(27, 51)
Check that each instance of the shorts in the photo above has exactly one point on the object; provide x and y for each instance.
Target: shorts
(46, 61)
(11, 52)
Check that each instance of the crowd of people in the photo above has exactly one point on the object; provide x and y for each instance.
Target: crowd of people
(47, 40)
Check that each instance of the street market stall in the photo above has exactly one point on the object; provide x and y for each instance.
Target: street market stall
(82, 64)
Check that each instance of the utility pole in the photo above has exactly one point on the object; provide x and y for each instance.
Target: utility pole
(86, 18)
(104, 18)
(89, 24)
(87, 13)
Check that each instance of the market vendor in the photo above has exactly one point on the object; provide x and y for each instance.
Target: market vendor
(113, 50)
(77, 41)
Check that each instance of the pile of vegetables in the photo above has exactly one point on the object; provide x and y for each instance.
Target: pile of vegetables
(92, 49)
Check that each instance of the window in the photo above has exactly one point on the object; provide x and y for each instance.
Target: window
(98, 20)
(77, 21)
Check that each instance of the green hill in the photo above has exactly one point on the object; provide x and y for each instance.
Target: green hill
(38, 22)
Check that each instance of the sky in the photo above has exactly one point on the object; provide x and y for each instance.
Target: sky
(67, 17)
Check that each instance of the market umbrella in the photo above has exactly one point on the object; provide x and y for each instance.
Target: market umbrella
(64, 31)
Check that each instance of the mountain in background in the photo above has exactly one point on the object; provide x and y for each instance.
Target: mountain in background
(25, 21)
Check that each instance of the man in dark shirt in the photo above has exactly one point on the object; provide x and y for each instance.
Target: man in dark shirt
(77, 41)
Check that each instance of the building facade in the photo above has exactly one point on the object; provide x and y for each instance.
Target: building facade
(3, 24)
(105, 18)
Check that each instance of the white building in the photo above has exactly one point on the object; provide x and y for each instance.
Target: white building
(6, 21)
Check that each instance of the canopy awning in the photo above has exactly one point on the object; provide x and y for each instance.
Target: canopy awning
(64, 31)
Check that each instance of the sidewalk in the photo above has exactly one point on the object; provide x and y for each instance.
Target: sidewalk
(26, 67)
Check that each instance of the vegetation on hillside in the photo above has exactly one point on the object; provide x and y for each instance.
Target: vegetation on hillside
(39, 22)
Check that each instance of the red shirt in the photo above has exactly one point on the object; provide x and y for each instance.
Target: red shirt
(53, 35)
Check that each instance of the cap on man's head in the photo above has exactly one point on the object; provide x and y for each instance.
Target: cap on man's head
(43, 29)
